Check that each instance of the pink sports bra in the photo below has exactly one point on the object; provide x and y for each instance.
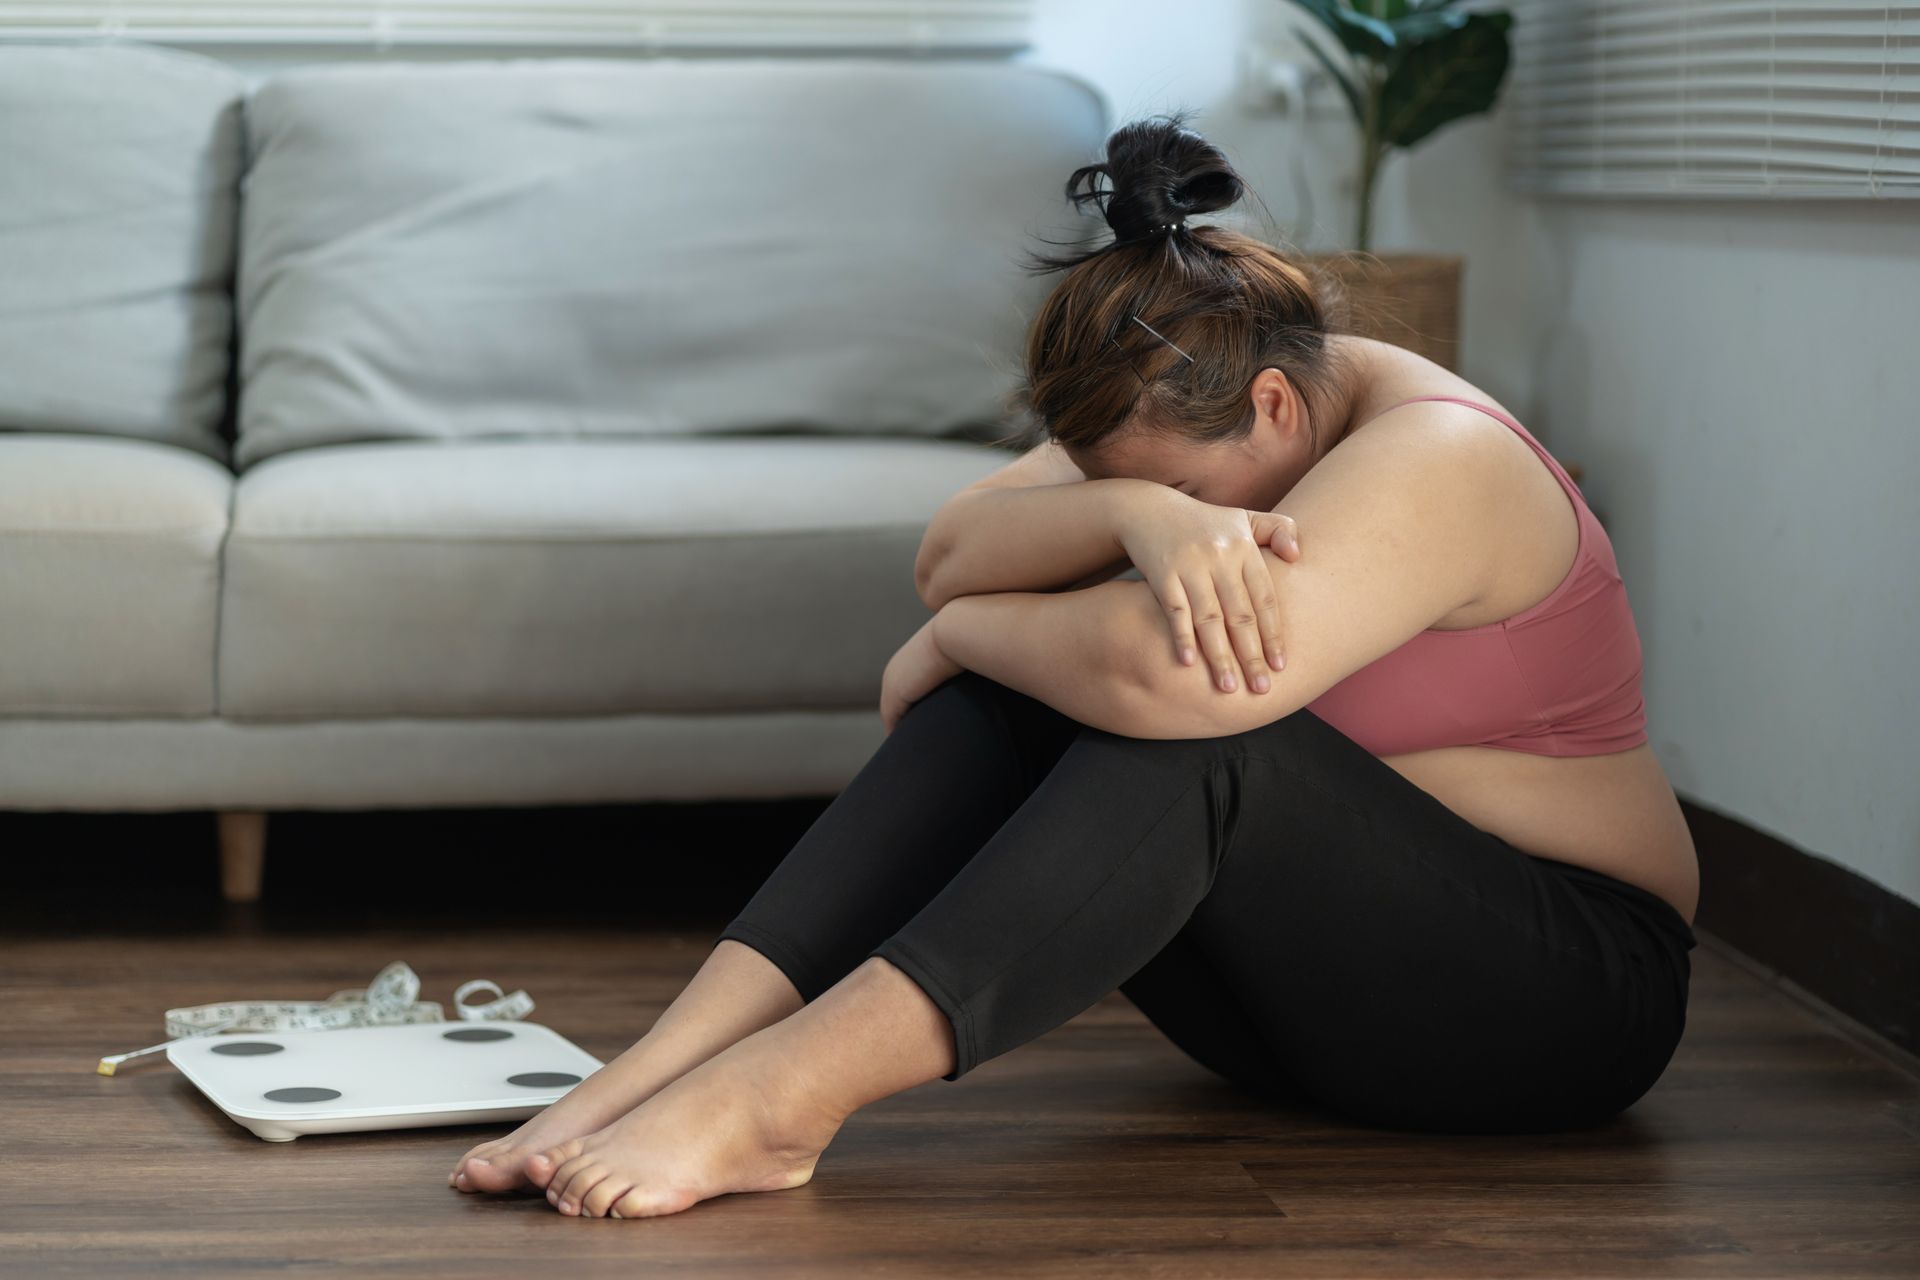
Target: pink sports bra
(1561, 678)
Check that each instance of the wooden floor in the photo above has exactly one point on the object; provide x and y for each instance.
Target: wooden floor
(1774, 1146)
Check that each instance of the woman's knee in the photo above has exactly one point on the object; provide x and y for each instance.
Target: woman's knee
(970, 704)
(971, 689)
(967, 697)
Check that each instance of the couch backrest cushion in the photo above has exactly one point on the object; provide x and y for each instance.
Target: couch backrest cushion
(119, 172)
(592, 247)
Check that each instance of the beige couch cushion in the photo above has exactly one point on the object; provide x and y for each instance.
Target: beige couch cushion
(109, 576)
(592, 577)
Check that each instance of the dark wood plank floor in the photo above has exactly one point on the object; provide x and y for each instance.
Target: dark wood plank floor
(1775, 1146)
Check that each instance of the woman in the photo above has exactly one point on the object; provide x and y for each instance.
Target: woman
(1369, 823)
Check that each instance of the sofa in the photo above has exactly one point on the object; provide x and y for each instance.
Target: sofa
(493, 432)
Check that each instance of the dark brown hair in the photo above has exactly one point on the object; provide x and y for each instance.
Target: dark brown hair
(1235, 304)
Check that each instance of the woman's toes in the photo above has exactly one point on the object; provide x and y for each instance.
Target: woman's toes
(574, 1195)
(559, 1186)
(644, 1203)
(601, 1198)
(541, 1166)
(495, 1173)
(478, 1153)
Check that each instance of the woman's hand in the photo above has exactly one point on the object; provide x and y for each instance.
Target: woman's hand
(916, 669)
(1204, 563)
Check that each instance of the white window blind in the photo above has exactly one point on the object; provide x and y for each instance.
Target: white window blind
(925, 25)
(1715, 97)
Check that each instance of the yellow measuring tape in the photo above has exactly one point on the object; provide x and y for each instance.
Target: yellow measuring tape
(393, 996)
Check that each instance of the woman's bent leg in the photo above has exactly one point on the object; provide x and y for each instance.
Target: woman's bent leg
(1196, 1005)
(1405, 967)
(956, 765)
(1401, 965)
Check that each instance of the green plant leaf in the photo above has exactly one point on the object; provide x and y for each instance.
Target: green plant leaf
(1455, 74)
(1427, 24)
(1391, 11)
(1360, 35)
(1348, 88)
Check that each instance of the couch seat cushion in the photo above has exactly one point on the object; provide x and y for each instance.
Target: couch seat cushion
(530, 577)
(109, 575)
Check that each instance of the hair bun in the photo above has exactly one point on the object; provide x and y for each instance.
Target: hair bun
(1160, 172)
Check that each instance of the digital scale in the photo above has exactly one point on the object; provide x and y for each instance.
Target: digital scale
(282, 1084)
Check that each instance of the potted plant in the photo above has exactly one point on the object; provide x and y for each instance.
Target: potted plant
(1409, 68)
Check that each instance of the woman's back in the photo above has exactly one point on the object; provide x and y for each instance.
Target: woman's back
(1560, 678)
(1532, 726)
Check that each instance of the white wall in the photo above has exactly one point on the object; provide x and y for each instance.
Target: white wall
(1743, 383)
(1739, 380)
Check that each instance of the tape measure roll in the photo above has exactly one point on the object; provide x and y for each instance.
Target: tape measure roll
(392, 996)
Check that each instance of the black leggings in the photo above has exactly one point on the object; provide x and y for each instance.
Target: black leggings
(1287, 909)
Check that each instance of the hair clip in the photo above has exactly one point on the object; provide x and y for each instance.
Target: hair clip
(1115, 344)
(1156, 333)
(1168, 227)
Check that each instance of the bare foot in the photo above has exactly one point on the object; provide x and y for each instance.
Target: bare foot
(741, 1121)
(603, 1097)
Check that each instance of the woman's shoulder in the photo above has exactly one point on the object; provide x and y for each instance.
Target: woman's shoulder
(1532, 514)
(1393, 375)
(1456, 424)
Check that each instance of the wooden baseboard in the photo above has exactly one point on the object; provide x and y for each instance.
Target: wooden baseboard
(1825, 930)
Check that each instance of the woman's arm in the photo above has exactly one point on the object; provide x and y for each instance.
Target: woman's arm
(1409, 526)
(1412, 520)
(1070, 650)
(1037, 524)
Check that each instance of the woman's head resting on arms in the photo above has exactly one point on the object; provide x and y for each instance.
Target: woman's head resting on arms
(1269, 387)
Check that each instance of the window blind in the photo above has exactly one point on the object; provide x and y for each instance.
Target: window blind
(1715, 97)
(923, 25)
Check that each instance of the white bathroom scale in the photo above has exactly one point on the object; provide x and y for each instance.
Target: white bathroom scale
(281, 1084)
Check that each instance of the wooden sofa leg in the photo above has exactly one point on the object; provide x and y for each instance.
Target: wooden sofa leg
(243, 854)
